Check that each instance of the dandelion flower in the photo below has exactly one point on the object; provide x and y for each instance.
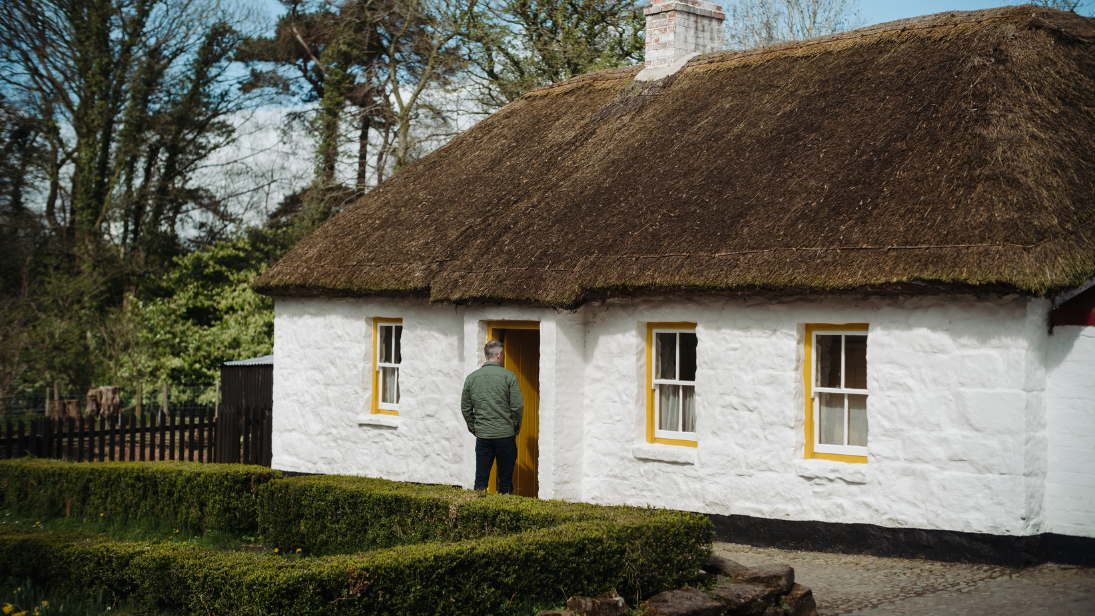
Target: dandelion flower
(100, 515)
(298, 549)
(275, 550)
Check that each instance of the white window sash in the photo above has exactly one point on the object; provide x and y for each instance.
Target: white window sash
(819, 447)
(833, 390)
(675, 436)
(680, 434)
(380, 404)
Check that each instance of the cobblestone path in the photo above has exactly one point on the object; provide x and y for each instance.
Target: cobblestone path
(870, 586)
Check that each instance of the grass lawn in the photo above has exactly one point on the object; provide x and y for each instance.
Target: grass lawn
(132, 530)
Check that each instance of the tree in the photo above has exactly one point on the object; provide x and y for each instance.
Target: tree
(518, 45)
(112, 109)
(1064, 5)
(756, 23)
(130, 97)
(378, 58)
(201, 314)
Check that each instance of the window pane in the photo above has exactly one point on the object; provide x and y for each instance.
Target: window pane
(828, 360)
(688, 394)
(857, 420)
(384, 348)
(831, 431)
(389, 385)
(855, 362)
(666, 353)
(688, 356)
(398, 344)
(669, 407)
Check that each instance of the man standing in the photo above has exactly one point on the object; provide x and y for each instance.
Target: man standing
(493, 408)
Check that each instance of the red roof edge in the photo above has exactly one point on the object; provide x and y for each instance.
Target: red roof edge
(1062, 316)
(1079, 310)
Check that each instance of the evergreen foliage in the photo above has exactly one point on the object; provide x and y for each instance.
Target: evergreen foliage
(120, 262)
(518, 45)
(414, 549)
(196, 496)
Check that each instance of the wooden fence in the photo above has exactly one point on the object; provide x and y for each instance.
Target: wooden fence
(140, 437)
(249, 429)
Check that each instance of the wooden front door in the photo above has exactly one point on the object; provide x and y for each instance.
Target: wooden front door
(522, 345)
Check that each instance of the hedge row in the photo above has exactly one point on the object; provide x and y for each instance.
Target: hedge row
(437, 550)
(639, 554)
(331, 514)
(197, 496)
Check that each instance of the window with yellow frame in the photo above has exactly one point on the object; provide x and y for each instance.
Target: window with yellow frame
(835, 376)
(387, 356)
(671, 383)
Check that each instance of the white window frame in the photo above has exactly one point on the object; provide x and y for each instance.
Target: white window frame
(679, 435)
(377, 365)
(815, 389)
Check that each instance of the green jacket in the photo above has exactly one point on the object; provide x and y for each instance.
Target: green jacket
(491, 402)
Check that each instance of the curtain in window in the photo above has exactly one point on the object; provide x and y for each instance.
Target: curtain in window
(832, 419)
(389, 385)
(669, 402)
(857, 420)
(689, 399)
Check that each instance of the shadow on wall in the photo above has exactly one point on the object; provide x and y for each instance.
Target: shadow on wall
(1062, 340)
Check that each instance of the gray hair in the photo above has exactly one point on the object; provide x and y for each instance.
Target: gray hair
(492, 349)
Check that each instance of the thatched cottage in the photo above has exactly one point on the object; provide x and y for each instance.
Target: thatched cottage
(807, 289)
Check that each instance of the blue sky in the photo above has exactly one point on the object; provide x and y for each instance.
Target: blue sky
(878, 11)
(872, 11)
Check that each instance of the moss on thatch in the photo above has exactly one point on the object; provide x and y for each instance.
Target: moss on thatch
(956, 150)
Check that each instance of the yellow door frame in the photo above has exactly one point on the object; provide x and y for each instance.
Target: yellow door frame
(492, 334)
(494, 326)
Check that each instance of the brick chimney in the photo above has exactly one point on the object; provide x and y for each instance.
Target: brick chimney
(677, 28)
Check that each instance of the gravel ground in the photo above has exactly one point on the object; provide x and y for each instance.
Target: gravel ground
(870, 586)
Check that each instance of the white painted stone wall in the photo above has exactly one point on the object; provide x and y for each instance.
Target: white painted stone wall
(1070, 484)
(955, 385)
(322, 391)
(957, 441)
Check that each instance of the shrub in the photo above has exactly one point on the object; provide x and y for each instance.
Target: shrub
(329, 514)
(434, 550)
(198, 496)
(639, 554)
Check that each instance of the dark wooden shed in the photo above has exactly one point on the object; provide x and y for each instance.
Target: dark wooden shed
(244, 416)
(248, 383)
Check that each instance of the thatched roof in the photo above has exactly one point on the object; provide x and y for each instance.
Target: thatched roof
(950, 151)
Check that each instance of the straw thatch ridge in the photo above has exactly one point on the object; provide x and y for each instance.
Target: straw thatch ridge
(955, 151)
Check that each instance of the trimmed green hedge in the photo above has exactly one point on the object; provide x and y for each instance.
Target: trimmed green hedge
(638, 555)
(197, 496)
(421, 549)
(333, 514)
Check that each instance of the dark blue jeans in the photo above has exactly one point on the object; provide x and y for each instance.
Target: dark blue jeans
(487, 450)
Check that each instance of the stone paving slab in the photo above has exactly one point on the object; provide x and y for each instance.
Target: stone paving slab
(871, 586)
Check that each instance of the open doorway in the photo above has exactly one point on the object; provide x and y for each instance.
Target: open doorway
(521, 340)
